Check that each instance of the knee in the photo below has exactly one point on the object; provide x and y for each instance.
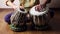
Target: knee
(7, 18)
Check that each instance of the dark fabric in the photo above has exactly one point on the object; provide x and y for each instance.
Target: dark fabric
(7, 18)
(51, 13)
(48, 1)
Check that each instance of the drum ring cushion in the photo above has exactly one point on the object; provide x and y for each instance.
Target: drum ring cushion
(18, 29)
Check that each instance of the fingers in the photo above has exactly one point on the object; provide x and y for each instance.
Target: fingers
(38, 8)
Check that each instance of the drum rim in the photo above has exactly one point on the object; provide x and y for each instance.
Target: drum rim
(18, 9)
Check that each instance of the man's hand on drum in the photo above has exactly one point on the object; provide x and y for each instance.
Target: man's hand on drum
(38, 7)
(41, 5)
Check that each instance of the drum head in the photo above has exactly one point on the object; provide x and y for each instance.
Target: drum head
(36, 13)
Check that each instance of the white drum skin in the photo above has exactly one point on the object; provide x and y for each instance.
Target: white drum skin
(37, 13)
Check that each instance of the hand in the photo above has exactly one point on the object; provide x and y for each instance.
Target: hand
(41, 5)
(38, 7)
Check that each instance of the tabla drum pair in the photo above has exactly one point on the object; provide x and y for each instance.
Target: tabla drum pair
(40, 19)
(19, 19)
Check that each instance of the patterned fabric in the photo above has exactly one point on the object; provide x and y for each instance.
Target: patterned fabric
(7, 18)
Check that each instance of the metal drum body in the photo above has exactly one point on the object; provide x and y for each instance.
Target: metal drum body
(18, 20)
(40, 18)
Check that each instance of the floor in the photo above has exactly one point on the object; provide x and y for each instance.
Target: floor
(54, 23)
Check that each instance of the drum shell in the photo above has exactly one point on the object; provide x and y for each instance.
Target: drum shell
(17, 18)
(42, 19)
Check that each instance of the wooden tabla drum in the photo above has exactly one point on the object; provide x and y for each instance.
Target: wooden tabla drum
(18, 20)
(40, 19)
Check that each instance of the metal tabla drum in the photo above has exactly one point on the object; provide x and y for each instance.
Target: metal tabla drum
(18, 22)
(40, 19)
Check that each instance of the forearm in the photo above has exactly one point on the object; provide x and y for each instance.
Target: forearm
(31, 3)
(43, 2)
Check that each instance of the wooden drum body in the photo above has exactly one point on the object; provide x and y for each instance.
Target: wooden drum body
(40, 19)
